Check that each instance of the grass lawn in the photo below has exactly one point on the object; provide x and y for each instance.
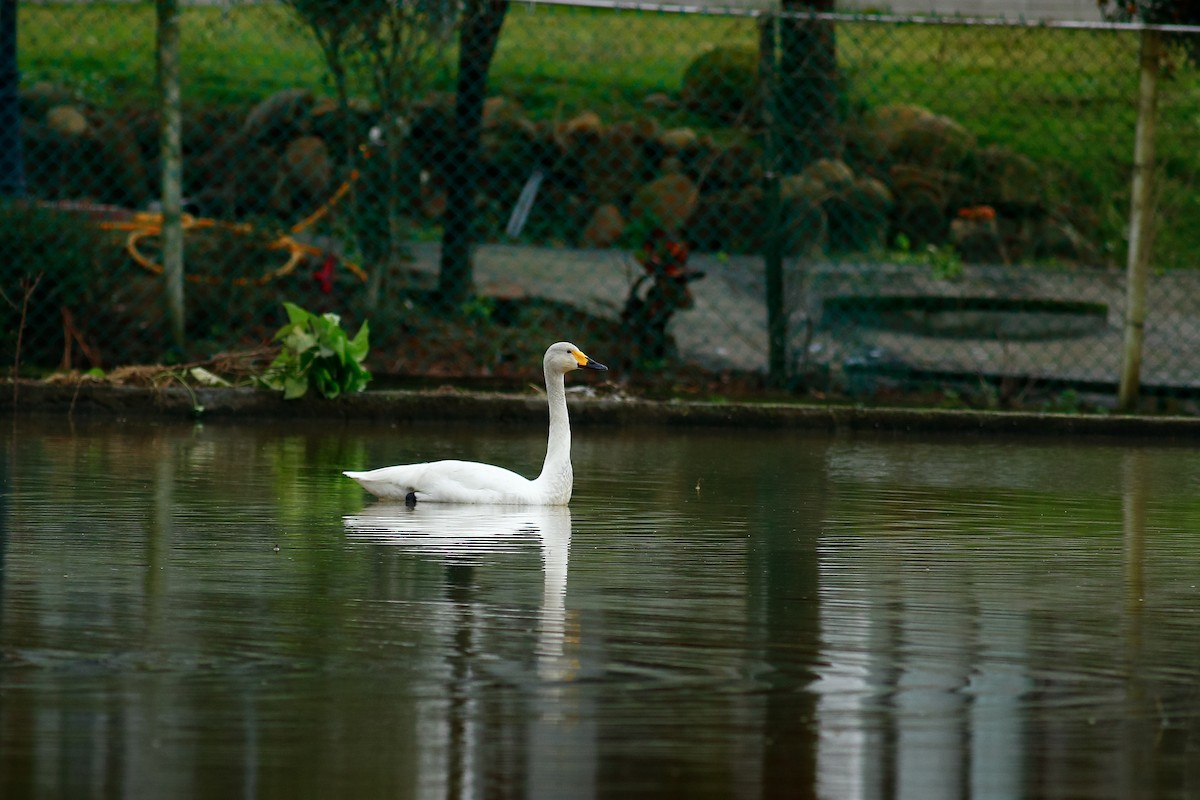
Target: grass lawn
(1066, 99)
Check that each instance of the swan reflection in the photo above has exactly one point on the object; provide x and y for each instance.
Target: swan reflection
(458, 533)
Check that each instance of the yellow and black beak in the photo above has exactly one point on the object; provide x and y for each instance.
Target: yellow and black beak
(587, 363)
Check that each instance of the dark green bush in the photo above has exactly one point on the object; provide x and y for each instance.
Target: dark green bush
(722, 84)
(73, 265)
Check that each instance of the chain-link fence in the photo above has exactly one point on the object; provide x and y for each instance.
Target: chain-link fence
(832, 203)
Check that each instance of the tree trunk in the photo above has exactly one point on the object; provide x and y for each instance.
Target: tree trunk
(807, 105)
(477, 45)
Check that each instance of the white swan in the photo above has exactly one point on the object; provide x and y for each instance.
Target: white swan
(472, 482)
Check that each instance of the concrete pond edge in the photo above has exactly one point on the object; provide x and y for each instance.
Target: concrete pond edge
(452, 405)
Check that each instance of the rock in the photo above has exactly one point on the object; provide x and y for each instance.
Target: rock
(586, 122)
(659, 101)
(43, 96)
(1002, 176)
(323, 105)
(670, 201)
(309, 169)
(675, 140)
(829, 172)
(253, 183)
(920, 212)
(670, 166)
(67, 121)
(1057, 238)
(873, 192)
(805, 186)
(807, 226)
(121, 174)
(729, 220)
(732, 167)
(510, 151)
(604, 228)
(499, 111)
(83, 154)
(280, 117)
(936, 141)
(977, 239)
(945, 186)
(857, 215)
(613, 162)
(647, 128)
(883, 126)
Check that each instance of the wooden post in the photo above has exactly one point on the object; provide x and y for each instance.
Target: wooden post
(171, 157)
(1140, 221)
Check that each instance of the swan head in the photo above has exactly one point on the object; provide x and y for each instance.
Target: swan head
(562, 357)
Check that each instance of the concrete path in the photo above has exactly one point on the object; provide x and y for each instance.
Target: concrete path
(727, 327)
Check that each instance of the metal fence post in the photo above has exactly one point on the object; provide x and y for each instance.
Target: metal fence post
(171, 154)
(12, 170)
(772, 238)
(1140, 221)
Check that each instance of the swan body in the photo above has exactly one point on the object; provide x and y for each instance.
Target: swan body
(455, 481)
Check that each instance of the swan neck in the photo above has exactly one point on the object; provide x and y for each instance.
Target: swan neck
(558, 446)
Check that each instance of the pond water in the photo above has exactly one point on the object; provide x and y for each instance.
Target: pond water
(204, 611)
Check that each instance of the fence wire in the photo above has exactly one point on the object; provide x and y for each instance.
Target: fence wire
(859, 205)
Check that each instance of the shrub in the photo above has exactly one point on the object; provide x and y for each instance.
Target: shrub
(70, 255)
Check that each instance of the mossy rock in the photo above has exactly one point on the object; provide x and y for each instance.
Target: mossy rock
(733, 166)
(806, 226)
(722, 83)
(731, 220)
(935, 141)
(42, 96)
(882, 127)
(670, 200)
(1002, 176)
(613, 163)
(872, 193)
(510, 151)
(857, 215)
(949, 188)
(89, 154)
(804, 186)
(279, 118)
(920, 215)
(830, 172)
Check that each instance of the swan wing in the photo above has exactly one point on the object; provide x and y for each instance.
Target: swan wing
(447, 482)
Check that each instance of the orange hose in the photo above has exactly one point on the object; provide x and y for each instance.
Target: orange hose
(144, 224)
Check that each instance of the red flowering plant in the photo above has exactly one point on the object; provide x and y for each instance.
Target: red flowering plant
(664, 256)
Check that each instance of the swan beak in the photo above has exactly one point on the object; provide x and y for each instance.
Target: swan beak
(587, 363)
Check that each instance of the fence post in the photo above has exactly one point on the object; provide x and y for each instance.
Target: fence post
(171, 155)
(773, 240)
(1140, 221)
(12, 170)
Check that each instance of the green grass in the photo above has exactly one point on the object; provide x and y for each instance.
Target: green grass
(1064, 98)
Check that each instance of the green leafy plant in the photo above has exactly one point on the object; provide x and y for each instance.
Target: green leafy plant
(317, 354)
(943, 260)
